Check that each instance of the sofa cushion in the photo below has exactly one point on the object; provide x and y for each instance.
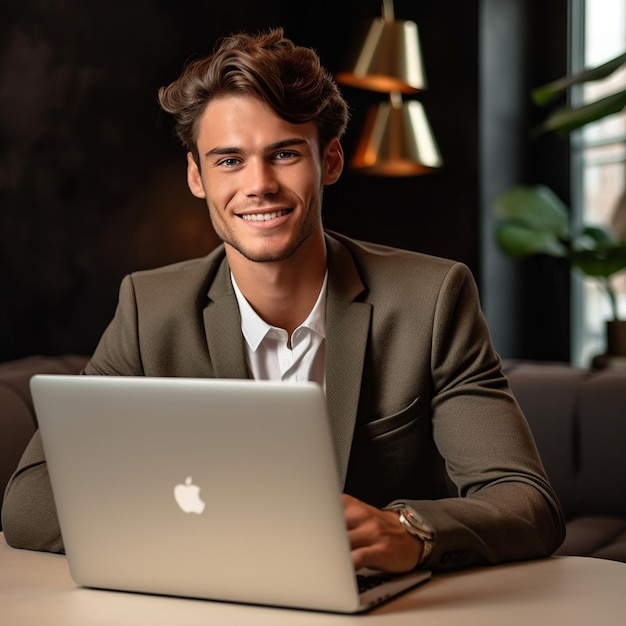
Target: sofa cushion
(601, 482)
(17, 415)
(601, 537)
(17, 425)
(548, 394)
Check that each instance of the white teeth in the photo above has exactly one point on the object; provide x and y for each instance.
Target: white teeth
(261, 217)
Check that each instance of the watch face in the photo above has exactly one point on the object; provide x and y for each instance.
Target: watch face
(414, 524)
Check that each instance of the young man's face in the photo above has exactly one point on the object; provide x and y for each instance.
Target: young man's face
(261, 176)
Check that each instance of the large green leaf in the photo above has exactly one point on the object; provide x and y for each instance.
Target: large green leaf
(600, 262)
(550, 91)
(535, 207)
(568, 119)
(517, 241)
(597, 237)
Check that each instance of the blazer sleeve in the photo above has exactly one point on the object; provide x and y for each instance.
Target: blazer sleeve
(29, 517)
(506, 509)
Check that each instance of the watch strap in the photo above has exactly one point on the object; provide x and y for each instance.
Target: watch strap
(415, 526)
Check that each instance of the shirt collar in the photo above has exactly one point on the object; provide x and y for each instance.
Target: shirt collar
(255, 329)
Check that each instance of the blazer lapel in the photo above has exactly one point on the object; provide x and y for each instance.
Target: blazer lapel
(347, 328)
(222, 324)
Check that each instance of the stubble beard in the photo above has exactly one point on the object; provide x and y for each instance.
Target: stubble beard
(269, 256)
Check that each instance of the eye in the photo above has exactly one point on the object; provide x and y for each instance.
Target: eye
(229, 162)
(283, 155)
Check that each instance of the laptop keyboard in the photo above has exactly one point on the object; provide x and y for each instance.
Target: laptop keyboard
(365, 582)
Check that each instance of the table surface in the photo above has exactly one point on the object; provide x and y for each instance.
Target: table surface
(36, 588)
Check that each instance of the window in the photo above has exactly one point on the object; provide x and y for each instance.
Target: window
(598, 163)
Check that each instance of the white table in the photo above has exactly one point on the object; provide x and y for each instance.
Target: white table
(36, 588)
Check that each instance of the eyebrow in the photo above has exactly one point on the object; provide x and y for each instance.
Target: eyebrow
(285, 143)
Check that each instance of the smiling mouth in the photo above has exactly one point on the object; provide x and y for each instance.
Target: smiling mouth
(264, 217)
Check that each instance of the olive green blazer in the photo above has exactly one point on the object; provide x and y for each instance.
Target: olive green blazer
(418, 405)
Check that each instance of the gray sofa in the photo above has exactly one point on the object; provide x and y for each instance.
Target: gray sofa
(578, 418)
(17, 415)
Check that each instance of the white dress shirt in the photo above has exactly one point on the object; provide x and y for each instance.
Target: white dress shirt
(268, 354)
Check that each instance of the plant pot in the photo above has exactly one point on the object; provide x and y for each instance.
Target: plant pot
(615, 355)
(616, 337)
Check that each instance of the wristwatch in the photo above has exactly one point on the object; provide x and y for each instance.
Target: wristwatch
(416, 526)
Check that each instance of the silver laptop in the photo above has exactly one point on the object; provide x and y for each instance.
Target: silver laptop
(216, 489)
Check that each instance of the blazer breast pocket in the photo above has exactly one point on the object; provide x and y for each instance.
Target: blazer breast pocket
(395, 457)
(390, 425)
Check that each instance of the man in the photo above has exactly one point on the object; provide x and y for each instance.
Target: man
(439, 467)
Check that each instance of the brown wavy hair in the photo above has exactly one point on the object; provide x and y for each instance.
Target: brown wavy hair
(268, 66)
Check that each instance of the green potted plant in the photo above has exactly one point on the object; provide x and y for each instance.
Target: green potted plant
(532, 220)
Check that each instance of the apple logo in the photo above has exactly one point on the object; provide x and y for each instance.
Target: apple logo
(188, 497)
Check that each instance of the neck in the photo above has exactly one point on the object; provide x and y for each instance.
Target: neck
(283, 292)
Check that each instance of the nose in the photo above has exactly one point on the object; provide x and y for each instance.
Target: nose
(259, 178)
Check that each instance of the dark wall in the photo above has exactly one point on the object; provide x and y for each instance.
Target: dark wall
(92, 183)
(522, 44)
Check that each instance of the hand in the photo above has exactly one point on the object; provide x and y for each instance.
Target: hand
(378, 540)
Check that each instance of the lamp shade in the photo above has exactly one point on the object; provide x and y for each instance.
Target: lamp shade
(389, 59)
(396, 140)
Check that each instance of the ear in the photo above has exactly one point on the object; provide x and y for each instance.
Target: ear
(333, 162)
(194, 178)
